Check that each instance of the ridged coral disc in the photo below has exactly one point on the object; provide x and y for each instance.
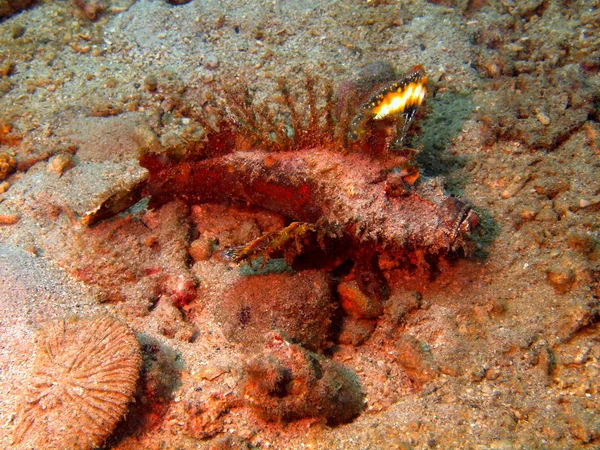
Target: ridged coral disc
(83, 377)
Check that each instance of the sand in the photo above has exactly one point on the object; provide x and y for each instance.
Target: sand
(499, 349)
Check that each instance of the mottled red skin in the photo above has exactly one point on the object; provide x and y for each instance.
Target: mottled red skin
(347, 190)
(361, 191)
(211, 181)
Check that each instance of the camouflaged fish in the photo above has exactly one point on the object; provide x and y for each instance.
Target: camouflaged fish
(345, 198)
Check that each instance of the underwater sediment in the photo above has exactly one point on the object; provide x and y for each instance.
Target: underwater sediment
(377, 327)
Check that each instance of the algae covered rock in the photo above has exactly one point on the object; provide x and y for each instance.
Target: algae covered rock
(299, 306)
(287, 382)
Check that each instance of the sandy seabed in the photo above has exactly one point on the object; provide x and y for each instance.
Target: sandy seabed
(496, 350)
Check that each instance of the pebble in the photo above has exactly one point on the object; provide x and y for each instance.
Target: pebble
(201, 249)
(211, 62)
(356, 304)
(543, 118)
(59, 163)
(561, 278)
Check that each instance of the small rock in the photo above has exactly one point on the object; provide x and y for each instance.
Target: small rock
(528, 214)
(561, 278)
(581, 355)
(561, 207)
(551, 186)
(543, 118)
(201, 249)
(17, 30)
(59, 163)
(202, 422)
(546, 214)
(211, 62)
(446, 3)
(230, 443)
(287, 382)
(584, 242)
(581, 425)
(104, 109)
(529, 8)
(7, 165)
(7, 68)
(90, 8)
(151, 83)
(181, 288)
(400, 304)
(171, 322)
(514, 187)
(356, 331)
(356, 304)
(416, 360)
(10, 7)
(298, 306)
